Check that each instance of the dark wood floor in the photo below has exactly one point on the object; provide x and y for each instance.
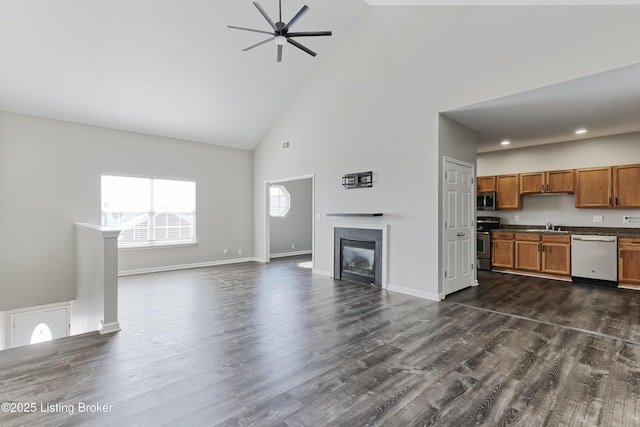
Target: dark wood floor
(274, 345)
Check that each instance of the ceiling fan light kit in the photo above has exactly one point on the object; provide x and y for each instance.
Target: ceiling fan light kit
(280, 33)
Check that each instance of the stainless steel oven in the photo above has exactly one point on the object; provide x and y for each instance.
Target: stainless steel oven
(484, 225)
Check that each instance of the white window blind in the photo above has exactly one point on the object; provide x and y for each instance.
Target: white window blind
(149, 211)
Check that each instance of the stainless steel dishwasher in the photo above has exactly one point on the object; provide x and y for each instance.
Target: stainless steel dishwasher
(594, 259)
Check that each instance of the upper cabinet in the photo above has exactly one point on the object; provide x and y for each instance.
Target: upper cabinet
(602, 187)
(593, 188)
(508, 192)
(547, 182)
(486, 183)
(608, 187)
(560, 181)
(626, 186)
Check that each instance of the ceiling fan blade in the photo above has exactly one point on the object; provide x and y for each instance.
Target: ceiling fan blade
(262, 11)
(249, 29)
(310, 34)
(301, 47)
(270, 39)
(298, 15)
(279, 53)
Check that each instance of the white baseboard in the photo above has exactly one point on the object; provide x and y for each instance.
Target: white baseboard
(109, 328)
(322, 272)
(187, 266)
(286, 254)
(415, 293)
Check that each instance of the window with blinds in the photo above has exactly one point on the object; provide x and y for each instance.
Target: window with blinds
(149, 211)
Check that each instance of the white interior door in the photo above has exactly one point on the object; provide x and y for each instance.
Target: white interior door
(459, 233)
(38, 326)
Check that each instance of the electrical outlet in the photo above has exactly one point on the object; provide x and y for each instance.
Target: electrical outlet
(293, 246)
(225, 252)
(239, 251)
(598, 218)
(626, 218)
(517, 219)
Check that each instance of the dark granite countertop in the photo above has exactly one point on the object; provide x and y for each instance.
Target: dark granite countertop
(595, 231)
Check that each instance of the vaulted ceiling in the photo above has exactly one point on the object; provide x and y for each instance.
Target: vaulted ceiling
(172, 68)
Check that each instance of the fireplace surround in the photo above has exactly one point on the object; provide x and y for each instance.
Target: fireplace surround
(358, 254)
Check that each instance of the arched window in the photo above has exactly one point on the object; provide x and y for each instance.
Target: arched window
(41, 333)
(279, 200)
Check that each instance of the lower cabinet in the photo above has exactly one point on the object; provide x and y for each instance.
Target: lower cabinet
(629, 262)
(502, 249)
(531, 252)
(528, 251)
(556, 255)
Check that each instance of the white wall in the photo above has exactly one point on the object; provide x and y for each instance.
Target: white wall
(3, 327)
(295, 226)
(375, 102)
(559, 209)
(50, 179)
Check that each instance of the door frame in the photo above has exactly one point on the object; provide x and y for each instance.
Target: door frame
(267, 217)
(443, 201)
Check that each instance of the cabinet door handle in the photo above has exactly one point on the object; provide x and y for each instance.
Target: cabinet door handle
(541, 187)
(620, 253)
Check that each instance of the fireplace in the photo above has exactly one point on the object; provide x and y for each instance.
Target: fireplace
(358, 255)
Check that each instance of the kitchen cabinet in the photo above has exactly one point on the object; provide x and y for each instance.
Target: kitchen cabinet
(556, 254)
(502, 249)
(547, 182)
(508, 191)
(629, 262)
(543, 253)
(593, 188)
(486, 184)
(626, 186)
(527, 255)
(532, 183)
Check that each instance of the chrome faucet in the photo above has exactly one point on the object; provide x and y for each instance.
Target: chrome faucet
(549, 226)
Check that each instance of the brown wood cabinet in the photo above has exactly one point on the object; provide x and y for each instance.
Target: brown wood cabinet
(556, 254)
(547, 182)
(593, 188)
(542, 253)
(626, 186)
(502, 249)
(527, 256)
(486, 183)
(508, 191)
(629, 262)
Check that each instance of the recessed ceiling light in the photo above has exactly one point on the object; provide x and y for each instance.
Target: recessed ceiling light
(505, 142)
(581, 131)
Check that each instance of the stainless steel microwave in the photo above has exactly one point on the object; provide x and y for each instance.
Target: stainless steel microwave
(487, 201)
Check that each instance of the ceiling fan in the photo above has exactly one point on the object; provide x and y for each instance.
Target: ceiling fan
(280, 33)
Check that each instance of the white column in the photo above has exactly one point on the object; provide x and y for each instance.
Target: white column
(96, 303)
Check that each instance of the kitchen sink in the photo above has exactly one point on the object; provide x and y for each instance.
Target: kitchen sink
(540, 230)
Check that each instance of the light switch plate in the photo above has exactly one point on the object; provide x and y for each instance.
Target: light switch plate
(598, 218)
